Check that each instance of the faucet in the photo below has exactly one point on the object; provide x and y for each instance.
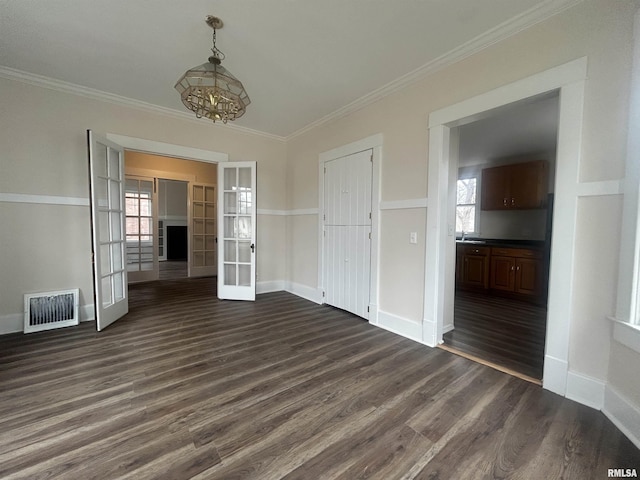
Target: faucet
(464, 235)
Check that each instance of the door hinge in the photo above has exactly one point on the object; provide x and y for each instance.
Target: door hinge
(367, 309)
(371, 158)
(369, 235)
(323, 294)
(324, 217)
(325, 169)
(369, 215)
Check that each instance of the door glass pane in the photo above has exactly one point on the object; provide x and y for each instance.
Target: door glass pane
(114, 163)
(100, 160)
(244, 227)
(244, 275)
(210, 194)
(198, 259)
(103, 226)
(146, 266)
(116, 256)
(230, 202)
(114, 194)
(106, 291)
(230, 178)
(105, 258)
(244, 251)
(210, 227)
(116, 227)
(198, 226)
(101, 192)
(229, 227)
(210, 210)
(229, 250)
(198, 242)
(210, 242)
(198, 193)
(198, 209)
(229, 274)
(244, 205)
(209, 259)
(118, 286)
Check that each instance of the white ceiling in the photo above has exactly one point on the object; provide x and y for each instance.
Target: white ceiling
(299, 60)
(529, 127)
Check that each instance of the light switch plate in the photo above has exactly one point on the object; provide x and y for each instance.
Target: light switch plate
(413, 237)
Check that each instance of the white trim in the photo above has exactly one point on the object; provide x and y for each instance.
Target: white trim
(404, 204)
(626, 333)
(44, 199)
(167, 149)
(11, 323)
(535, 15)
(585, 390)
(400, 326)
(555, 374)
(264, 211)
(623, 414)
(598, 189)
(474, 108)
(351, 148)
(81, 91)
(269, 286)
(303, 211)
(304, 291)
(569, 79)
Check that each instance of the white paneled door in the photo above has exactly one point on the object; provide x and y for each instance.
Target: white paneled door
(347, 232)
(140, 218)
(106, 168)
(237, 230)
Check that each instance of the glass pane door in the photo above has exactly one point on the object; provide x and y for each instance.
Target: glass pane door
(106, 165)
(236, 268)
(203, 213)
(141, 239)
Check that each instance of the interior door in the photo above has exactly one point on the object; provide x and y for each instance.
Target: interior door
(347, 232)
(106, 174)
(203, 230)
(141, 236)
(237, 226)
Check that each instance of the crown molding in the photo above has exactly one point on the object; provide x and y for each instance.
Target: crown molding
(94, 94)
(527, 19)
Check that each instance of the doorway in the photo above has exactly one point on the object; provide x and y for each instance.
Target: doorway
(569, 80)
(503, 218)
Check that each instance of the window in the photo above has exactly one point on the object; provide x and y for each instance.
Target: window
(466, 205)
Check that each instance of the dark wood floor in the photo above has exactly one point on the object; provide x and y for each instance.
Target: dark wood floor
(186, 386)
(172, 269)
(504, 331)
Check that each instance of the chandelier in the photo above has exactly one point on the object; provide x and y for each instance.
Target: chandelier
(210, 90)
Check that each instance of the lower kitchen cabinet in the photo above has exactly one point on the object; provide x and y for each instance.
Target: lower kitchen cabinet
(517, 270)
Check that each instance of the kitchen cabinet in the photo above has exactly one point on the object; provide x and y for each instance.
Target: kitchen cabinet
(520, 186)
(472, 266)
(516, 270)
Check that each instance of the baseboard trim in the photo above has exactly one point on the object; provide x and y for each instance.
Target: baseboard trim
(308, 293)
(555, 375)
(447, 328)
(586, 390)
(623, 414)
(269, 286)
(400, 326)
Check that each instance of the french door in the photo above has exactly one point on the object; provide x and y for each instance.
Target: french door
(237, 229)
(106, 174)
(141, 215)
(203, 230)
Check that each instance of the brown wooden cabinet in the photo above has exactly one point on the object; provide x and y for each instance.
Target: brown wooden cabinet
(472, 266)
(520, 186)
(517, 270)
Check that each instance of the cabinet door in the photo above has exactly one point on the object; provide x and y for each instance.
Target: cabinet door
(502, 273)
(476, 271)
(459, 268)
(528, 271)
(528, 185)
(495, 188)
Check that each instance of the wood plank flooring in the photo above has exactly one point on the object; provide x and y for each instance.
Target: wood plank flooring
(504, 331)
(186, 386)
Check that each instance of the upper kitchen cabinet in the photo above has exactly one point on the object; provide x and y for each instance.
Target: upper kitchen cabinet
(520, 186)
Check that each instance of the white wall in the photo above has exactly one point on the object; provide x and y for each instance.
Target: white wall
(44, 153)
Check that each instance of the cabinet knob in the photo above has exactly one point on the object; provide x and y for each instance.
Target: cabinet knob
(513, 202)
(504, 202)
(512, 269)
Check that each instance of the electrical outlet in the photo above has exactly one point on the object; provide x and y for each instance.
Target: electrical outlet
(413, 237)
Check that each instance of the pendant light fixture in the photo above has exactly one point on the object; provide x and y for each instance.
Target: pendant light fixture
(210, 90)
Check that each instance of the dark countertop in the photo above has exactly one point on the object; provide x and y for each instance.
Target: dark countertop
(497, 242)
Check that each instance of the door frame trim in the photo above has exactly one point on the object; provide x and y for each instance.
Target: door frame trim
(373, 142)
(569, 79)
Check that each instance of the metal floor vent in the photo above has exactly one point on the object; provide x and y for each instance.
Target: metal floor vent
(44, 311)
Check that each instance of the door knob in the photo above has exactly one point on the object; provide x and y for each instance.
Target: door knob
(253, 248)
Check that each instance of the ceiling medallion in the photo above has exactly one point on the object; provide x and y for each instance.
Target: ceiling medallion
(210, 90)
